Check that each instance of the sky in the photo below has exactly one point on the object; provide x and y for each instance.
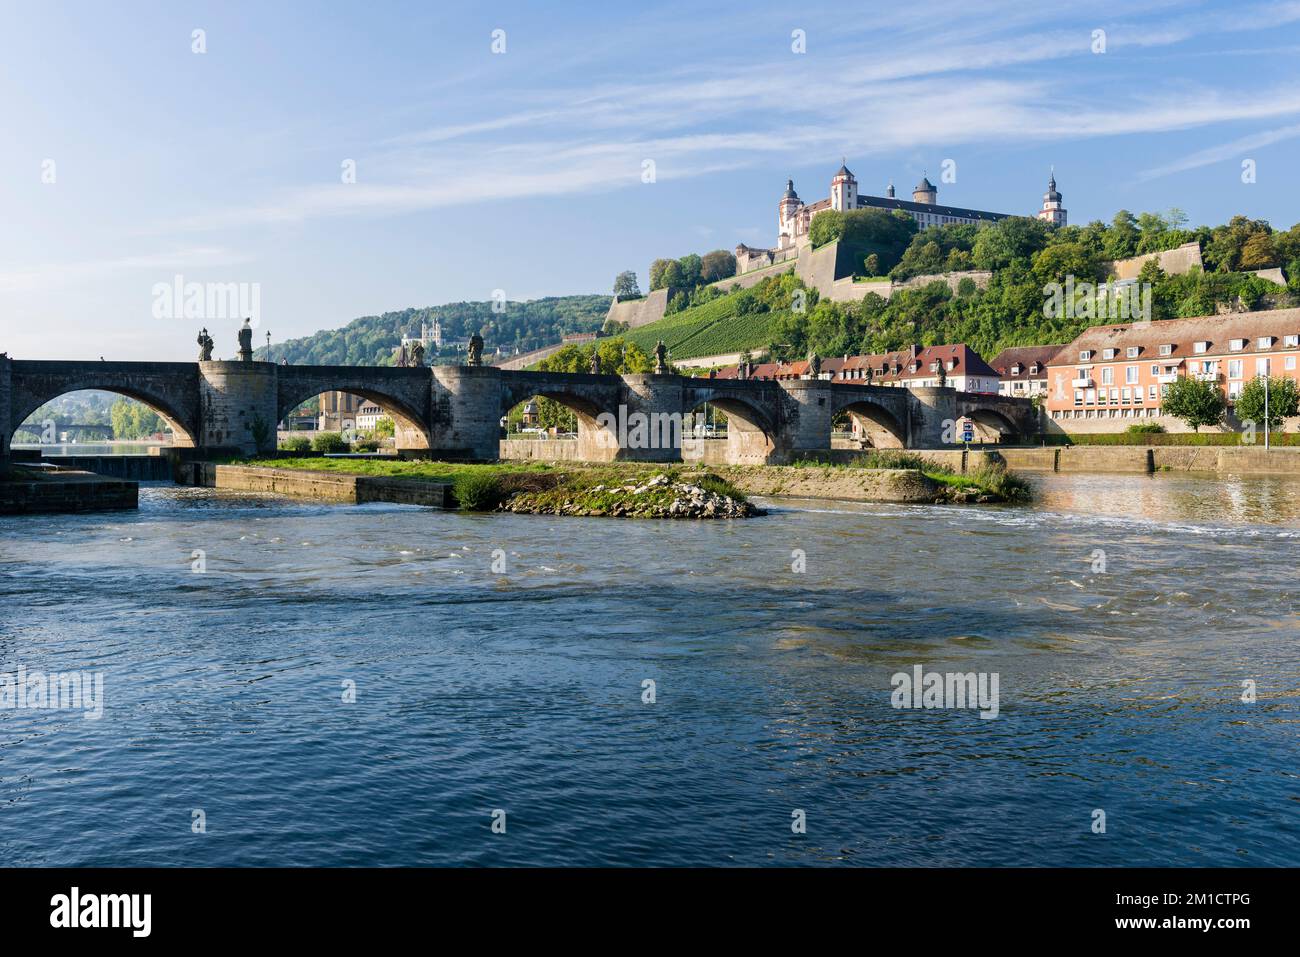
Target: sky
(343, 159)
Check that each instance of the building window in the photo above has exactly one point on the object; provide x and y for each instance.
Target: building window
(1290, 362)
(1261, 366)
(1085, 355)
(1133, 352)
(1108, 353)
(1265, 342)
(1131, 374)
(1200, 346)
(1291, 340)
(1167, 349)
(1107, 376)
(1234, 368)
(1151, 393)
(1236, 345)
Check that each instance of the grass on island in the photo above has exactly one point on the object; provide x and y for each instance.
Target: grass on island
(484, 486)
(991, 479)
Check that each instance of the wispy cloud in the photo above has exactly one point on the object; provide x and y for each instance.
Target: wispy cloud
(1234, 150)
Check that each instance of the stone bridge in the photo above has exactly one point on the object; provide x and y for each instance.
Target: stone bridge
(233, 406)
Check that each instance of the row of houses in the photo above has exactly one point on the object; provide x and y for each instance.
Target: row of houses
(1115, 372)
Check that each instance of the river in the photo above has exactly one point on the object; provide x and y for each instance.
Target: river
(1121, 614)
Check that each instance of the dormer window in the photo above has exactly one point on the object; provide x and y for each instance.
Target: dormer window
(1265, 342)
(1015, 369)
(1291, 341)
(1033, 369)
(1109, 353)
(1167, 349)
(1202, 346)
(952, 364)
(1236, 345)
(1133, 351)
(934, 367)
(1085, 355)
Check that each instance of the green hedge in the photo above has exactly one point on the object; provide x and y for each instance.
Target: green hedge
(1172, 438)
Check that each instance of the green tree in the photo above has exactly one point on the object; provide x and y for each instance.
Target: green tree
(716, 265)
(1194, 401)
(329, 442)
(1283, 399)
(1122, 238)
(385, 427)
(625, 286)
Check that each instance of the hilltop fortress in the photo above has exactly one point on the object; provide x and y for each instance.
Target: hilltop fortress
(794, 216)
(826, 268)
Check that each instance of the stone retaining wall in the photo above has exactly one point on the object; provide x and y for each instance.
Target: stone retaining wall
(67, 491)
(323, 486)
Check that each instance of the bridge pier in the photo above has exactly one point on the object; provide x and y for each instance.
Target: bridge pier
(237, 406)
(807, 426)
(6, 409)
(932, 410)
(659, 399)
(465, 420)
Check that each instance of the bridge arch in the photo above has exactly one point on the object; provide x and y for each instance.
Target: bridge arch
(411, 423)
(992, 425)
(595, 443)
(751, 434)
(874, 425)
(174, 402)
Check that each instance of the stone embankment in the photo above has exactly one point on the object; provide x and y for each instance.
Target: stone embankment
(846, 484)
(40, 491)
(323, 486)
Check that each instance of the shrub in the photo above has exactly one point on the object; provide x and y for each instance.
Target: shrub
(329, 442)
(477, 491)
(296, 443)
(720, 486)
(365, 445)
(996, 479)
(899, 459)
(1145, 428)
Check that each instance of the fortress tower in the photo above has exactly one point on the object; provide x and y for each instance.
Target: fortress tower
(925, 192)
(844, 190)
(787, 215)
(1052, 211)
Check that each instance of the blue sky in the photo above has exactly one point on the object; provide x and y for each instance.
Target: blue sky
(522, 170)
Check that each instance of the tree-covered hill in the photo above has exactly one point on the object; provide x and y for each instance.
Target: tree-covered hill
(520, 326)
(1027, 259)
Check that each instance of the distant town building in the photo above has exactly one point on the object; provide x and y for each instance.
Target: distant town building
(338, 411)
(430, 336)
(914, 367)
(1053, 211)
(1123, 371)
(1022, 371)
(368, 416)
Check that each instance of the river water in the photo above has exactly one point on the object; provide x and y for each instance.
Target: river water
(1121, 614)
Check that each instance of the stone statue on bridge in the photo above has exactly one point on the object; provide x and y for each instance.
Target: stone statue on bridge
(246, 341)
(595, 362)
(476, 350)
(661, 358)
(943, 375)
(417, 354)
(205, 346)
(814, 365)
